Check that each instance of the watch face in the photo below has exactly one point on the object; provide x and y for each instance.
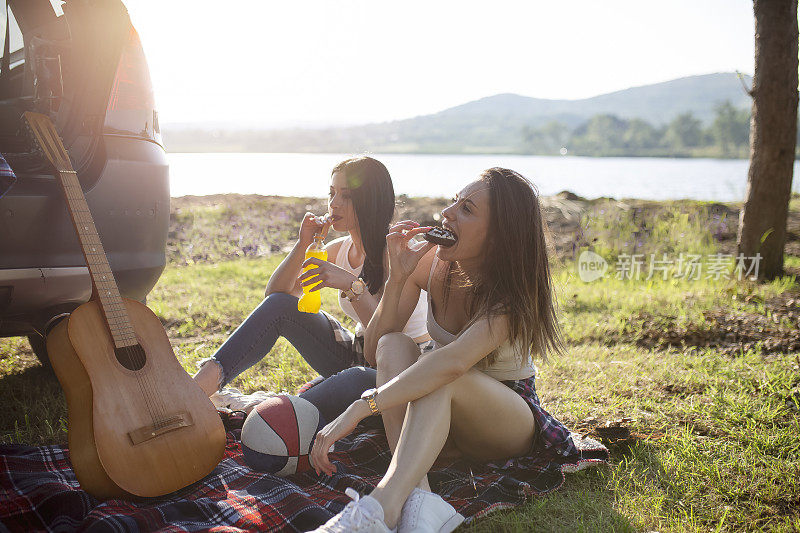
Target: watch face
(368, 392)
(358, 286)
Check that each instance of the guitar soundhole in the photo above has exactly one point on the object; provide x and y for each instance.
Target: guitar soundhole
(131, 357)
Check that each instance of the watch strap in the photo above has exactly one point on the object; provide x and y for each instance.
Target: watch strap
(350, 294)
(370, 399)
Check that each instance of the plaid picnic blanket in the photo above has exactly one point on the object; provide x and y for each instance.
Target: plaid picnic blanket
(39, 491)
(7, 177)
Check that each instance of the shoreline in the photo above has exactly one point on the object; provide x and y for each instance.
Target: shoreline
(237, 150)
(565, 194)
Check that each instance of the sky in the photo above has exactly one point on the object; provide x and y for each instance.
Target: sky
(321, 62)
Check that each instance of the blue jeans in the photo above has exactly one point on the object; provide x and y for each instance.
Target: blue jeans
(314, 338)
(334, 394)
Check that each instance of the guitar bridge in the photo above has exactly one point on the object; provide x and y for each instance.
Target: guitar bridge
(145, 433)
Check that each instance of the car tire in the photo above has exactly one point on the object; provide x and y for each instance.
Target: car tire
(39, 347)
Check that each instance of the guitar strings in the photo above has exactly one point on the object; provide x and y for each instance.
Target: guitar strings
(132, 358)
(154, 407)
(147, 391)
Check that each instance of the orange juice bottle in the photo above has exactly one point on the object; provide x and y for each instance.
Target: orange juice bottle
(310, 302)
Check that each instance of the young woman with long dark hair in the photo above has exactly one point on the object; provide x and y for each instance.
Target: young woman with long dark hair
(491, 309)
(361, 202)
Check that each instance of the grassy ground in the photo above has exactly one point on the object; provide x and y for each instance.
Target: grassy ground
(707, 370)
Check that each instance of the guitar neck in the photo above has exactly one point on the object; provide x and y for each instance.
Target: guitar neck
(103, 282)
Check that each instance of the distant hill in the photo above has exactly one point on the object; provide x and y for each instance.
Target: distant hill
(489, 125)
(657, 104)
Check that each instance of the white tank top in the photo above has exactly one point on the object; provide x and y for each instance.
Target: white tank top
(506, 365)
(416, 325)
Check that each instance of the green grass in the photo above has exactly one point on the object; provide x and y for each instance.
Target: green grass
(230, 290)
(720, 432)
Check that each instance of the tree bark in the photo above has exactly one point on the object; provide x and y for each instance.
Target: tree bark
(773, 131)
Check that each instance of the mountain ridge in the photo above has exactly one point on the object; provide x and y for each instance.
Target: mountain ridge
(492, 124)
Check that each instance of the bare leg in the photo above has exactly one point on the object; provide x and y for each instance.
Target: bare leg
(487, 419)
(395, 353)
(208, 377)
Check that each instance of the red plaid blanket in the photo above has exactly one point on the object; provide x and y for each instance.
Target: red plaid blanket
(7, 177)
(39, 491)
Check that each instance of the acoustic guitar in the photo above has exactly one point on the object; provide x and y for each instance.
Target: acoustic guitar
(138, 423)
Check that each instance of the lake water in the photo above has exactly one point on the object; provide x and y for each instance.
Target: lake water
(444, 175)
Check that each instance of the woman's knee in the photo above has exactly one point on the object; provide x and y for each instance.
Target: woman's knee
(435, 397)
(395, 349)
(461, 387)
(279, 301)
(276, 305)
(394, 340)
(334, 394)
(358, 378)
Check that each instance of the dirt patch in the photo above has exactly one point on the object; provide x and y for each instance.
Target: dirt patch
(777, 330)
(618, 435)
(18, 360)
(227, 226)
(683, 390)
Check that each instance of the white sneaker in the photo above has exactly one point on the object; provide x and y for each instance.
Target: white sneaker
(362, 514)
(427, 512)
(234, 400)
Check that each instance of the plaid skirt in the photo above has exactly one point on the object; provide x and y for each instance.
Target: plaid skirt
(551, 437)
(551, 440)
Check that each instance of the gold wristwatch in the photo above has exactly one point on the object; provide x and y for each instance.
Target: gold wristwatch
(355, 291)
(369, 395)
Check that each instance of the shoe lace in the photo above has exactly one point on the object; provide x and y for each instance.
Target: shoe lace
(353, 515)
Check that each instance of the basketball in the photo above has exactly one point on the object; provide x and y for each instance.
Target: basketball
(278, 434)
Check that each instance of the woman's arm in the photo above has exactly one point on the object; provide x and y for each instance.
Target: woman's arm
(401, 291)
(444, 365)
(284, 278)
(329, 274)
(392, 312)
(365, 306)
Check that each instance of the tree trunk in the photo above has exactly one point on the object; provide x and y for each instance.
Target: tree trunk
(773, 132)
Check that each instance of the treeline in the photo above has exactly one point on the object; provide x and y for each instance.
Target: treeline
(685, 136)
(726, 136)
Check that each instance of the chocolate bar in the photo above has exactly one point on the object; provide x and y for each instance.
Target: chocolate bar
(440, 236)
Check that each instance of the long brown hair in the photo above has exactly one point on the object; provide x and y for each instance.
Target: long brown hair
(514, 277)
(372, 194)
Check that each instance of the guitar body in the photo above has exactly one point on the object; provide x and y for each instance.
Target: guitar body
(145, 432)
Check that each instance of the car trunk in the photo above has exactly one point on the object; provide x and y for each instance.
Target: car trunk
(86, 70)
(65, 70)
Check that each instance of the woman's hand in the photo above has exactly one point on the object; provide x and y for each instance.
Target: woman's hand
(310, 225)
(342, 426)
(403, 258)
(326, 274)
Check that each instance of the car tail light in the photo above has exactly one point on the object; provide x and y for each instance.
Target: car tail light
(132, 88)
(131, 104)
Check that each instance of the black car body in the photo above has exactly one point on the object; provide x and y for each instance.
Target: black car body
(86, 69)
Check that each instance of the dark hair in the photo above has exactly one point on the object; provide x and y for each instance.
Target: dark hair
(514, 277)
(372, 194)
